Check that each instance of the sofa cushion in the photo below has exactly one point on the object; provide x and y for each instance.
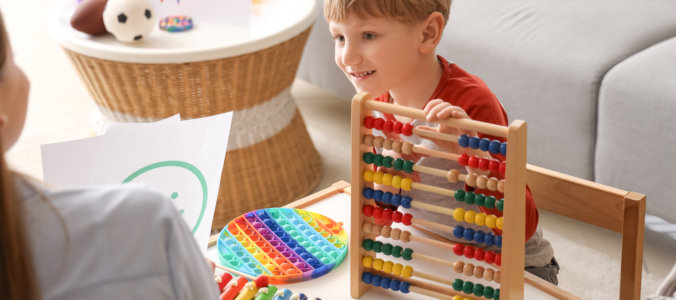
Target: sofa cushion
(637, 119)
(545, 59)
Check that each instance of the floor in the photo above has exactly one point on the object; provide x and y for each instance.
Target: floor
(60, 109)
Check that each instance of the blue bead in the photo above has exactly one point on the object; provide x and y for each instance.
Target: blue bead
(489, 239)
(385, 282)
(396, 199)
(463, 141)
(375, 281)
(394, 284)
(483, 144)
(302, 296)
(458, 231)
(498, 241)
(469, 234)
(494, 147)
(377, 195)
(503, 148)
(366, 277)
(404, 287)
(479, 236)
(368, 193)
(386, 198)
(406, 202)
(474, 142)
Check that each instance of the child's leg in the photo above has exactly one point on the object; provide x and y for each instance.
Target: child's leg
(548, 272)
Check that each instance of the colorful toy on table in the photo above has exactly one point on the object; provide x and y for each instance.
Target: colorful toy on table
(240, 288)
(285, 244)
(176, 23)
(129, 20)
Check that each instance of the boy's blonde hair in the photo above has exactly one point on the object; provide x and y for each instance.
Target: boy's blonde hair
(407, 11)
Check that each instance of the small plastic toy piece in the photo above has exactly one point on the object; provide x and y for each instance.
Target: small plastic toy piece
(283, 294)
(233, 288)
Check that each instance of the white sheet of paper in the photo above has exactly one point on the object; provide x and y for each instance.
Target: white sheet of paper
(182, 159)
(229, 12)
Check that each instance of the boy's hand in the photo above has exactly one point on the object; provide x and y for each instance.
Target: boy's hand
(438, 110)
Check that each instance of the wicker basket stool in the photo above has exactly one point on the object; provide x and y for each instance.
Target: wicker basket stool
(270, 159)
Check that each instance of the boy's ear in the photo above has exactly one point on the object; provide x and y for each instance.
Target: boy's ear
(432, 28)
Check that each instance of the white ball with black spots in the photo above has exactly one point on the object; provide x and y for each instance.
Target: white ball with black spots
(129, 20)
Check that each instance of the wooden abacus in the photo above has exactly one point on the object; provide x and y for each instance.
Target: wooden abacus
(610, 208)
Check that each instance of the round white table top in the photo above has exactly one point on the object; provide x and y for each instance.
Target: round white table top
(271, 22)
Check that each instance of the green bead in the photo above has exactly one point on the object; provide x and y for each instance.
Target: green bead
(469, 198)
(396, 251)
(408, 166)
(500, 204)
(459, 195)
(377, 246)
(496, 294)
(457, 284)
(398, 164)
(387, 249)
(467, 287)
(367, 244)
(378, 160)
(407, 254)
(368, 157)
(479, 199)
(488, 292)
(387, 161)
(478, 290)
(490, 202)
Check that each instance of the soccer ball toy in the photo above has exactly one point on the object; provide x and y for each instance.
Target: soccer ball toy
(129, 20)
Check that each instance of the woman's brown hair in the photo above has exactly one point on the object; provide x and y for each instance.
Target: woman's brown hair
(17, 280)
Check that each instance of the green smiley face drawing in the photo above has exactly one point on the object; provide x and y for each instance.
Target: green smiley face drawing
(186, 173)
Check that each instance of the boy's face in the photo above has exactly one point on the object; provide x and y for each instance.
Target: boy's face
(376, 54)
(13, 101)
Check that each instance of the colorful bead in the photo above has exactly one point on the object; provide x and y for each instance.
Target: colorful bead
(377, 159)
(378, 177)
(458, 249)
(494, 166)
(471, 179)
(367, 261)
(458, 266)
(500, 205)
(407, 130)
(470, 197)
(490, 202)
(396, 216)
(387, 267)
(488, 292)
(398, 164)
(406, 202)
(397, 128)
(407, 254)
(467, 287)
(368, 176)
(386, 198)
(396, 251)
(366, 277)
(406, 219)
(457, 285)
(404, 287)
(474, 142)
(452, 175)
(463, 141)
(459, 214)
(468, 269)
(469, 217)
(377, 195)
(484, 143)
(481, 181)
(499, 223)
(378, 123)
(396, 269)
(367, 210)
(503, 149)
(479, 236)
(387, 144)
(396, 146)
(387, 179)
(407, 148)
(387, 161)
(406, 184)
(473, 161)
(494, 147)
(490, 221)
(396, 199)
(458, 231)
(368, 193)
(502, 168)
(368, 122)
(489, 239)
(387, 126)
(368, 157)
(498, 241)
(367, 244)
(479, 199)
(459, 195)
(483, 163)
(478, 290)
(407, 271)
(468, 234)
(492, 184)
(463, 159)
(479, 254)
(408, 166)
(396, 181)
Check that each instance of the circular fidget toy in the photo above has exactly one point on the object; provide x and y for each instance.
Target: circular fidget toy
(176, 23)
(287, 245)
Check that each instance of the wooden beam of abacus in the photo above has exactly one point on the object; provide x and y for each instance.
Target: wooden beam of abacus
(435, 135)
(490, 129)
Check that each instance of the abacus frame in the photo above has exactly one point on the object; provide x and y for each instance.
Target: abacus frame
(512, 283)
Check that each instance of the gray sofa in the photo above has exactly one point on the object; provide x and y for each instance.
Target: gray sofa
(594, 79)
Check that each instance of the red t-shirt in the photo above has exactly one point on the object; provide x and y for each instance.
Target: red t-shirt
(469, 92)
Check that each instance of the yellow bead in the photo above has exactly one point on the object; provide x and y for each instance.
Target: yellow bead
(387, 179)
(480, 219)
(368, 176)
(396, 182)
(490, 221)
(378, 177)
(378, 264)
(500, 222)
(407, 272)
(396, 270)
(387, 267)
(406, 184)
(469, 216)
(457, 297)
(459, 214)
(367, 261)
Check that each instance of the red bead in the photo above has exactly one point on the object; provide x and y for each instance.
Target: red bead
(458, 249)
(473, 162)
(483, 164)
(383, 222)
(386, 214)
(462, 159)
(368, 122)
(407, 130)
(377, 212)
(368, 210)
(262, 281)
(389, 124)
(498, 259)
(503, 166)
(378, 123)
(494, 166)
(397, 127)
(469, 252)
(479, 254)
(406, 219)
(489, 257)
(396, 216)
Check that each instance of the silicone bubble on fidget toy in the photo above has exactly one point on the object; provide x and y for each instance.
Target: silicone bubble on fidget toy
(287, 245)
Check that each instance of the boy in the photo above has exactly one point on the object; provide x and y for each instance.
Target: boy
(388, 49)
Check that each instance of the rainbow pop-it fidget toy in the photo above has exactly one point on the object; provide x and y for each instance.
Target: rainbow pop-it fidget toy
(286, 244)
